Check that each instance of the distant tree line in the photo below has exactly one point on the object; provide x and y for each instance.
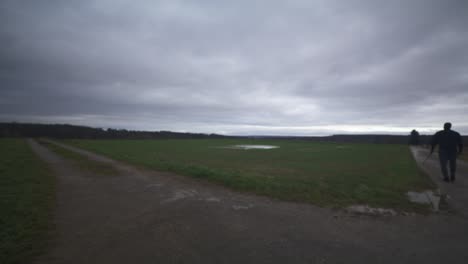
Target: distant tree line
(63, 131)
(84, 132)
(374, 139)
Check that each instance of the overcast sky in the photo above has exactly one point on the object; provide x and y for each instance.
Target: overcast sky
(237, 67)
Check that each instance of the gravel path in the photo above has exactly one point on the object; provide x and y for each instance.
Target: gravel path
(457, 192)
(141, 216)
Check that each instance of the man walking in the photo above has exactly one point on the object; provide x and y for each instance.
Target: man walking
(450, 144)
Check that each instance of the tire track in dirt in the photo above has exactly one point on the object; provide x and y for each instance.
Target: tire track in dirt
(142, 216)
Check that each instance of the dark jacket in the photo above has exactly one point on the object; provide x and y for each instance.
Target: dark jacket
(448, 141)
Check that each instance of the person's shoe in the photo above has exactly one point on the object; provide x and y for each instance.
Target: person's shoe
(446, 179)
(452, 179)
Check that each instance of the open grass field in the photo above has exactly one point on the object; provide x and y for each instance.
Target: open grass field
(326, 174)
(27, 192)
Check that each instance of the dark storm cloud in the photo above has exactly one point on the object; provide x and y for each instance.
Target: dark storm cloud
(267, 67)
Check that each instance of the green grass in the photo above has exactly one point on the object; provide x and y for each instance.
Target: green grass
(325, 174)
(27, 195)
(81, 161)
(464, 156)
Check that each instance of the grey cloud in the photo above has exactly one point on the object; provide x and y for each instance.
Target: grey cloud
(236, 67)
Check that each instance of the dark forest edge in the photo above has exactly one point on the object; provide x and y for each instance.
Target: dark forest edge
(65, 131)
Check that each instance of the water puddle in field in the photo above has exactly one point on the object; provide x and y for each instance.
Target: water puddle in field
(343, 147)
(246, 147)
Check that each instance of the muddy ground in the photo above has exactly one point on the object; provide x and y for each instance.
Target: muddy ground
(142, 216)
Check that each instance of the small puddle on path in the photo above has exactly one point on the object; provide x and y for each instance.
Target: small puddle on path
(242, 207)
(429, 197)
(367, 210)
(426, 197)
(180, 194)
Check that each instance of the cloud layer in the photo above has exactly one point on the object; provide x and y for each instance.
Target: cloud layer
(241, 67)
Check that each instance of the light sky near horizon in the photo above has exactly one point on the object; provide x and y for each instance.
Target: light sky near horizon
(301, 68)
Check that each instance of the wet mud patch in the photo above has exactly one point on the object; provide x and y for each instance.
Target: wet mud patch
(180, 195)
(242, 207)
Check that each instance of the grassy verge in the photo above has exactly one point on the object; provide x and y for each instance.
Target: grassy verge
(81, 161)
(464, 156)
(27, 194)
(325, 174)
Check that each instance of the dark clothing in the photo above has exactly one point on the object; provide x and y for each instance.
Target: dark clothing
(451, 159)
(450, 144)
(448, 141)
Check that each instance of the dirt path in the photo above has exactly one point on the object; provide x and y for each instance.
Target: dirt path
(458, 191)
(142, 216)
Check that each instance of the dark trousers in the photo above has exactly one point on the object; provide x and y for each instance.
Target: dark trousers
(451, 159)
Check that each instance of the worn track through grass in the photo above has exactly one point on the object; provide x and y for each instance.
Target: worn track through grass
(80, 161)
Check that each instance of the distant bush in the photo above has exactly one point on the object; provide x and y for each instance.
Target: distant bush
(414, 138)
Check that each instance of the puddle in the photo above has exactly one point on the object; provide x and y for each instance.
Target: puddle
(242, 207)
(343, 147)
(426, 197)
(252, 147)
(152, 186)
(180, 194)
(213, 199)
(365, 209)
